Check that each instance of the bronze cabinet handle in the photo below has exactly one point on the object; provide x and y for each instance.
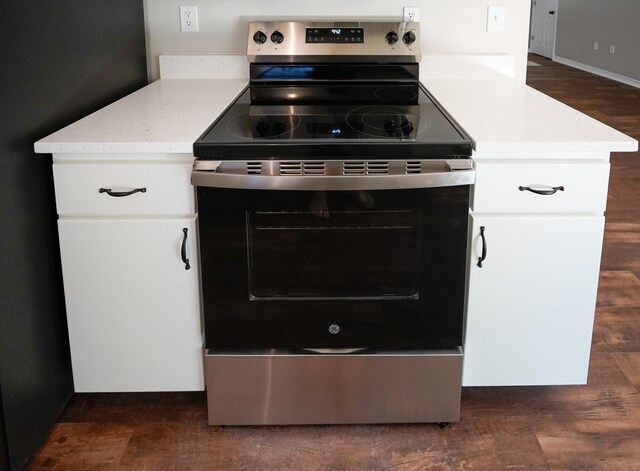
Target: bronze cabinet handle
(551, 191)
(183, 250)
(484, 247)
(118, 194)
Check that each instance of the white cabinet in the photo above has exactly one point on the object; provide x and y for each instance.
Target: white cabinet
(133, 308)
(531, 304)
(530, 307)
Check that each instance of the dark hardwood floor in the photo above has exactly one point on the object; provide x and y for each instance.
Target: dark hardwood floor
(592, 427)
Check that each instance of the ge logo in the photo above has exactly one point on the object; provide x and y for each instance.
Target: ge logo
(334, 329)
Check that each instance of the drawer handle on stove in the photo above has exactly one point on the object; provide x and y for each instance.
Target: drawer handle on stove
(484, 247)
(117, 194)
(183, 249)
(552, 191)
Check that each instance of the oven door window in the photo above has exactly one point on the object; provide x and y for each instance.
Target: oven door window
(347, 255)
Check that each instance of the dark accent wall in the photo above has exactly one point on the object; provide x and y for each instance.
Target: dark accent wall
(60, 60)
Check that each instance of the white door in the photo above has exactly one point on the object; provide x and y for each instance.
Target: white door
(133, 310)
(531, 305)
(543, 27)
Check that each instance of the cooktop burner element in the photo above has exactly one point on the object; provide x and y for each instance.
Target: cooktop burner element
(396, 94)
(265, 126)
(386, 121)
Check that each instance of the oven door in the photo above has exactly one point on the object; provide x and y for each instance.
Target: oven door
(378, 269)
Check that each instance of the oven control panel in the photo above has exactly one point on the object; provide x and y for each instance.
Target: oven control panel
(335, 35)
(295, 41)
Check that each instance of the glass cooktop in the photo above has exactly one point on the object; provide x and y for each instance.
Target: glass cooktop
(391, 122)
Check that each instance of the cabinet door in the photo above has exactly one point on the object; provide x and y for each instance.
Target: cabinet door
(133, 310)
(531, 305)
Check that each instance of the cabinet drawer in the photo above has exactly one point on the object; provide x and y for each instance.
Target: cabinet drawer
(579, 187)
(163, 189)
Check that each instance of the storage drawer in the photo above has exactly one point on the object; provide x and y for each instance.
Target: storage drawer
(570, 187)
(163, 189)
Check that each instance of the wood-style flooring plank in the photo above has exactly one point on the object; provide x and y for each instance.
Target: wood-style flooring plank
(629, 363)
(333, 448)
(618, 289)
(135, 408)
(578, 446)
(616, 330)
(82, 447)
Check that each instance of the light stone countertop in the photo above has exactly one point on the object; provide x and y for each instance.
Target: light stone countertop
(500, 115)
(504, 116)
(166, 116)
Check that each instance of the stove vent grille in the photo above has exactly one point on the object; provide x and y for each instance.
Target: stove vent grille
(361, 167)
(339, 167)
(378, 167)
(413, 166)
(254, 168)
(302, 168)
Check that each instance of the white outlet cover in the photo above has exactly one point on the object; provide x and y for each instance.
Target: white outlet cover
(188, 18)
(410, 14)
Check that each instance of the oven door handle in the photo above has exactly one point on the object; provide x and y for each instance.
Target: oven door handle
(430, 174)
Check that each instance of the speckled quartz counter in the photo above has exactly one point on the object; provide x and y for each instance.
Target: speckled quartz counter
(504, 116)
(166, 116)
(500, 115)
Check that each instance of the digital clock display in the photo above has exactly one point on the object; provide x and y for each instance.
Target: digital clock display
(335, 35)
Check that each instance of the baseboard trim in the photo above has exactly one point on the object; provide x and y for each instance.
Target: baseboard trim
(597, 71)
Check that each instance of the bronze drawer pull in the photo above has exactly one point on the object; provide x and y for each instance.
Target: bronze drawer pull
(552, 191)
(117, 194)
(484, 247)
(183, 250)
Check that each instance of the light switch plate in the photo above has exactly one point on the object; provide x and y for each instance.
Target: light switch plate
(496, 18)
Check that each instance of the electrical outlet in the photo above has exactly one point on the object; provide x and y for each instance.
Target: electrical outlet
(409, 14)
(188, 18)
(595, 46)
(496, 18)
(612, 49)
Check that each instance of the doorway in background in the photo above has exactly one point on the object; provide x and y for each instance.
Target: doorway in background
(543, 27)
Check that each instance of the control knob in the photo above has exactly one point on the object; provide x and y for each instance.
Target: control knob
(406, 127)
(391, 37)
(409, 37)
(259, 37)
(391, 126)
(277, 37)
(398, 129)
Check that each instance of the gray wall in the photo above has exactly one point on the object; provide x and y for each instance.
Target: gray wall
(60, 60)
(607, 22)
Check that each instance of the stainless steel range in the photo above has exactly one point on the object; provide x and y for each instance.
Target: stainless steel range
(333, 199)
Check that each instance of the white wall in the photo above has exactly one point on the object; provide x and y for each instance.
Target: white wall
(447, 26)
